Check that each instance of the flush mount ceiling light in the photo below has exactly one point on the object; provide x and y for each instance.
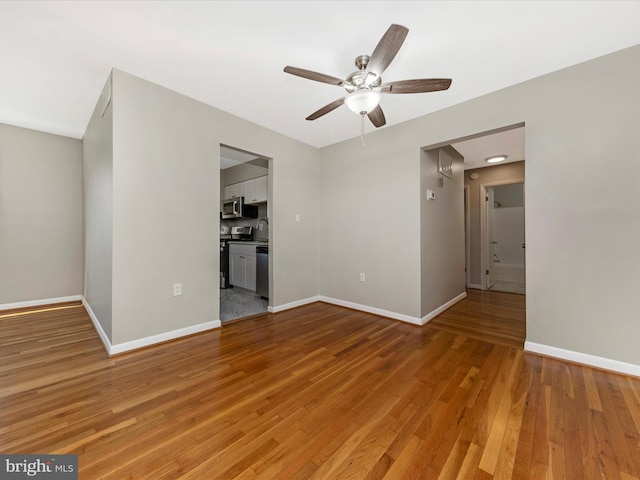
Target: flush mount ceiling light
(496, 159)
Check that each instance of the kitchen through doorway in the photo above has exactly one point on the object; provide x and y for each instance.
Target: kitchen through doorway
(245, 240)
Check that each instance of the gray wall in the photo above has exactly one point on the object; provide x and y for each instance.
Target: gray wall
(370, 211)
(510, 195)
(166, 195)
(583, 217)
(486, 175)
(360, 207)
(97, 162)
(40, 216)
(441, 232)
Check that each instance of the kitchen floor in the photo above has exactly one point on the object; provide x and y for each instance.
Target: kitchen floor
(237, 304)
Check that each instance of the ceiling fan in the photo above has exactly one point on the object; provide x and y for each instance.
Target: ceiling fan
(364, 86)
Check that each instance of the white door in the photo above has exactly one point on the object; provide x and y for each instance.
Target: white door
(491, 236)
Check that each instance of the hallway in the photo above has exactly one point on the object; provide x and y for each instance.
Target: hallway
(494, 317)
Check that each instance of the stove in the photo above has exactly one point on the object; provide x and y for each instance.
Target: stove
(242, 233)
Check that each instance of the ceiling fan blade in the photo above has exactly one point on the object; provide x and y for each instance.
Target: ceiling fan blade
(326, 109)
(420, 85)
(377, 117)
(308, 74)
(387, 49)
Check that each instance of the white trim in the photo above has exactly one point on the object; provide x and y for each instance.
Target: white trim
(297, 303)
(475, 285)
(467, 234)
(96, 324)
(583, 358)
(37, 303)
(163, 337)
(368, 309)
(429, 316)
(147, 341)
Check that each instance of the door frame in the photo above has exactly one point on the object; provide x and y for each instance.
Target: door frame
(484, 239)
(467, 236)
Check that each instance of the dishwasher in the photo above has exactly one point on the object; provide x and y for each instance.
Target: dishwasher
(262, 271)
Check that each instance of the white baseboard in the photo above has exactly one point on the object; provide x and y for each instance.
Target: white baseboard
(475, 286)
(429, 316)
(583, 358)
(163, 337)
(37, 303)
(366, 308)
(147, 341)
(96, 324)
(297, 303)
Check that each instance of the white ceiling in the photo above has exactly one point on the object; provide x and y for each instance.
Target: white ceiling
(476, 150)
(56, 55)
(230, 157)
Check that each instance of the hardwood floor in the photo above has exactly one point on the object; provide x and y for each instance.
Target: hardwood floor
(486, 315)
(318, 392)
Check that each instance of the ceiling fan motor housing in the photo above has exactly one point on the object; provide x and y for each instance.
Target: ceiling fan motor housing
(362, 61)
(362, 78)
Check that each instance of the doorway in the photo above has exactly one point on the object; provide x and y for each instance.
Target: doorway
(476, 150)
(503, 237)
(245, 272)
(481, 179)
(467, 237)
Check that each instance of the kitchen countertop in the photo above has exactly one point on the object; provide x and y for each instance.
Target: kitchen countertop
(245, 242)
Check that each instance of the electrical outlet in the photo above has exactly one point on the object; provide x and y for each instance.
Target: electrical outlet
(297, 218)
(177, 289)
(362, 277)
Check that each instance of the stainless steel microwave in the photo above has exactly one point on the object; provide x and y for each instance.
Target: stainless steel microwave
(236, 208)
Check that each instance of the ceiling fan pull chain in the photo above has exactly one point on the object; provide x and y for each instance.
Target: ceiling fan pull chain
(362, 128)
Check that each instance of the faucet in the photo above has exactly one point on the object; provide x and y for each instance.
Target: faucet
(258, 226)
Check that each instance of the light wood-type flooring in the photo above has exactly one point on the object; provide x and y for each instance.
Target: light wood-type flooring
(317, 392)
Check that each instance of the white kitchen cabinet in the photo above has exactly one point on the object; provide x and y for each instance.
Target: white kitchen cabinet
(235, 190)
(253, 191)
(250, 272)
(256, 190)
(242, 266)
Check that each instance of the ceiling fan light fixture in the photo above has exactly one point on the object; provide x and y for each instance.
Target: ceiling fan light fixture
(364, 86)
(363, 101)
(495, 159)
